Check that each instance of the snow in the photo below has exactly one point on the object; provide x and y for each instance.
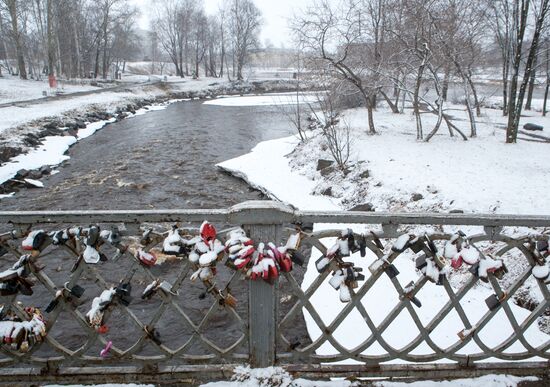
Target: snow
(265, 167)
(93, 127)
(13, 89)
(481, 175)
(482, 381)
(36, 183)
(262, 100)
(245, 376)
(51, 152)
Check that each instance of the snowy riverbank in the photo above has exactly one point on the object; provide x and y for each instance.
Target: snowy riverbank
(393, 172)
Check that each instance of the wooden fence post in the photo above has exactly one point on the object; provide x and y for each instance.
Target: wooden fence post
(262, 225)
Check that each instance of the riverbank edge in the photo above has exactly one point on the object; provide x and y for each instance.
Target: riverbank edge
(70, 122)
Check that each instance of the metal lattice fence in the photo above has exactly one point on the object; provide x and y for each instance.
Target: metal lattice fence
(186, 328)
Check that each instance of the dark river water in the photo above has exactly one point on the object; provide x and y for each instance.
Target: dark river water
(164, 160)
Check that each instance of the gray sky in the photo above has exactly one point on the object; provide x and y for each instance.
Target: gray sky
(275, 14)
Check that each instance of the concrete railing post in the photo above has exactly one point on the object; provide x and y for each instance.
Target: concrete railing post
(263, 222)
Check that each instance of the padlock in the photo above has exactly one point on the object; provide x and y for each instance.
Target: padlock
(166, 287)
(362, 244)
(147, 258)
(344, 292)
(90, 254)
(123, 291)
(541, 272)
(76, 291)
(53, 303)
(416, 245)
(59, 237)
(492, 302)
(296, 257)
(542, 246)
(35, 240)
(401, 243)
(229, 300)
(391, 271)
(51, 306)
(322, 263)
(407, 293)
(8, 288)
(421, 262)
(153, 334)
(25, 286)
(475, 270)
(377, 241)
(150, 290)
(350, 238)
(463, 334)
(93, 236)
(337, 279)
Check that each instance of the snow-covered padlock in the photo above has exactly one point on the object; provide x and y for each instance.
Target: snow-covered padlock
(488, 265)
(408, 294)
(541, 272)
(147, 258)
(174, 244)
(91, 253)
(264, 266)
(383, 263)
(35, 241)
(291, 249)
(244, 257)
(239, 249)
(468, 254)
(99, 305)
(60, 237)
(281, 257)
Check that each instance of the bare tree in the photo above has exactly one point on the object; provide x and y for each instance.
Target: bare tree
(244, 26)
(521, 19)
(13, 7)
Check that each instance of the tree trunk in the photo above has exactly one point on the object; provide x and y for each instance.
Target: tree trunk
(516, 107)
(474, 93)
(545, 96)
(416, 103)
(50, 38)
(393, 106)
(372, 129)
(12, 8)
(531, 85)
(445, 87)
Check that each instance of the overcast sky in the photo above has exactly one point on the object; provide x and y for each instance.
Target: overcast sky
(275, 15)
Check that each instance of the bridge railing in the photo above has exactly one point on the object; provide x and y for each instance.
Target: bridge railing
(189, 328)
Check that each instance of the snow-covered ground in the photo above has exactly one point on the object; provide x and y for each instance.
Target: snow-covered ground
(480, 175)
(13, 89)
(276, 377)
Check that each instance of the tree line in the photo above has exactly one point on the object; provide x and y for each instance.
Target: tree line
(393, 50)
(95, 38)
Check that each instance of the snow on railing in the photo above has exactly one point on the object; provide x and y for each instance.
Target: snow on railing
(141, 292)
